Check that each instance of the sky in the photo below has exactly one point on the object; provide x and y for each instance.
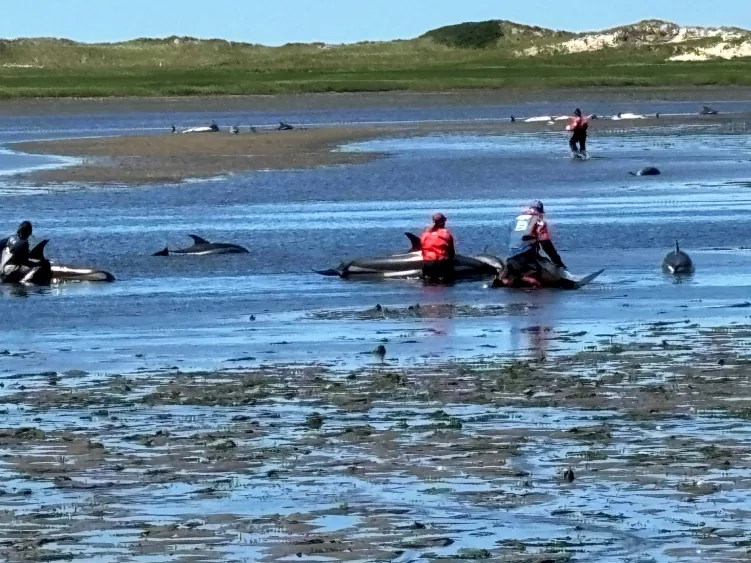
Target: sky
(275, 22)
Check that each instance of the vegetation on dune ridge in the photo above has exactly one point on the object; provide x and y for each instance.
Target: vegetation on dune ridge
(491, 33)
(470, 55)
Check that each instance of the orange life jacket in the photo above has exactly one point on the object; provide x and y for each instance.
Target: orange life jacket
(437, 244)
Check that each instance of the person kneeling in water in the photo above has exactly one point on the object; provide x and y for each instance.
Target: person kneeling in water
(530, 234)
(437, 251)
(16, 265)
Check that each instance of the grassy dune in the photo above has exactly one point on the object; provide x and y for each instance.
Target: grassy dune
(479, 56)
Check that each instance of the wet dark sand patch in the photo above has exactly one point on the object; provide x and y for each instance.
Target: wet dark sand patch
(567, 455)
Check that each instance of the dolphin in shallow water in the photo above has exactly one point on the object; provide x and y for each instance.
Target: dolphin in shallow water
(677, 262)
(51, 272)
(202, 247)
(706, 110)
(409, 265)
(646, 171)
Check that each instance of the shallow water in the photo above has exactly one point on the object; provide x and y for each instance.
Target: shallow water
(169, 315)
(198, 310)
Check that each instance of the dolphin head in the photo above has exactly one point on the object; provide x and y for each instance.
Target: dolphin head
(677, 262)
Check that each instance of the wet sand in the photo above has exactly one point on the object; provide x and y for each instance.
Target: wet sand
(169, 158)
(634, 449)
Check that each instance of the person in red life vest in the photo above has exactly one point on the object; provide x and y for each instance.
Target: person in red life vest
(578, 127)
(529, 235)
(437, 251)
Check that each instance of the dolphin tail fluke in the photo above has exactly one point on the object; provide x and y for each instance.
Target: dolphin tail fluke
(414, 240)
(632, 173)
(342, 270)
(37, 253)
(164, 252)
(330, 272)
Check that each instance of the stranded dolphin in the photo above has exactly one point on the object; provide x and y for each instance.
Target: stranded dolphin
(202, 247)
(409, 265)
(646, 171)
(677, 262)
(48, 273)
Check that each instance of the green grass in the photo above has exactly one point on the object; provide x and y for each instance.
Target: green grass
(62, 68)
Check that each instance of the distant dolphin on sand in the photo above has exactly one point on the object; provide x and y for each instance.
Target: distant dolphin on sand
(646, 171)
(627, 115)
(538, 119)
(202, 247)
(706, 110)
(677, 262)
(213, 128)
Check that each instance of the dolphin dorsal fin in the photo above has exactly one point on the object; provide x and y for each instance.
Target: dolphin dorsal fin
(414, 240)
(198, 240)
(37, 253)
(677, 249)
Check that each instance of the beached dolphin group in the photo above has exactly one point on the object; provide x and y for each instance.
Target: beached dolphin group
(476, 267)
(401, 265)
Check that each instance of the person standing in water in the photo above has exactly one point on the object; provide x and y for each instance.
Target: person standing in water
(437, 251)
(578, 127)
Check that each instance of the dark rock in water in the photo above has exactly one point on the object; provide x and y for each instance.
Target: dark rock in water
(20, 435)
(470, 553)
(423, 543)
(314, 421)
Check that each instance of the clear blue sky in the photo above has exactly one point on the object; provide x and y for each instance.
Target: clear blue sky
(274, 22)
